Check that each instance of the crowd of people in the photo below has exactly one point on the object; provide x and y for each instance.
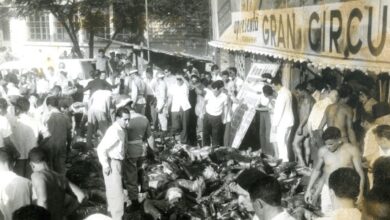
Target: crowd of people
(120, 112)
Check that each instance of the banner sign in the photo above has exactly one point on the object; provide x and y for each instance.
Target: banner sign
(345, 34)
(249, 97)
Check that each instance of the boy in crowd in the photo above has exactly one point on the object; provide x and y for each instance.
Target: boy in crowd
(344, 190)
(266, 196)
(53, 191)
(335, 154)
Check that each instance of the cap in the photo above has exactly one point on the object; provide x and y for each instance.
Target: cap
(160, 75)
(124, 102)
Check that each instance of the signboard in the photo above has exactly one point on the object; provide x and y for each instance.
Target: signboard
(352, 34)
(249, 97)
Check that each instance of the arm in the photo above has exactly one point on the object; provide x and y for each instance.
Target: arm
(324, 119)
(357, 163)
(351, 132)
(72, 188)
(314, 176)
(40, 189)
(150, 138)
(280, 105)
(106, 144)
(134, 92)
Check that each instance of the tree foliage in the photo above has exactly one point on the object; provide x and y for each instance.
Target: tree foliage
(193, 15)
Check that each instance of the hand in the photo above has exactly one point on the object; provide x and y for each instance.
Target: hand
(308, 198)
(299, 130)
(107, 171)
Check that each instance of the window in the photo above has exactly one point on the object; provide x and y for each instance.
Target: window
(60, 34)
(39, 27)
(4, 27)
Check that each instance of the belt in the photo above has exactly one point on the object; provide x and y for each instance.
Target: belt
(135, 142)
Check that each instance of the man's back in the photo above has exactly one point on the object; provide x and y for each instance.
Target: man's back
(137, 131)
(51, 187)
(338, 115)
(15, 192)
(58, 126)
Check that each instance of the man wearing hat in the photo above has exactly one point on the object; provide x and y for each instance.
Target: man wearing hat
(137, 89)
(160, 90)
(180, 108)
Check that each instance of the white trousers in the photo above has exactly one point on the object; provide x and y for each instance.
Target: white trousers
(326, 202)
(282, 136)
(114, 190)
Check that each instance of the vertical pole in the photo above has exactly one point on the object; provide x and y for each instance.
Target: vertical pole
(147, 29)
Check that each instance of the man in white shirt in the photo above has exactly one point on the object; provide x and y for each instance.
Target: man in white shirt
(24, 135)
(216, 104)
(215, 72)
(6, 129)
(282, 119)
(180, 108)
(237, 81)
(160, 88)
(111, 153)
(138, 90)
(344, 190)
(266, 196)
(102, 62)
(15, 191)
(99, 115)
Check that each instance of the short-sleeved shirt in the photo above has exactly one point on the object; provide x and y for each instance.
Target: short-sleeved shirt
(15, 192)
(215, 104)
(137, 132)
(5, 129)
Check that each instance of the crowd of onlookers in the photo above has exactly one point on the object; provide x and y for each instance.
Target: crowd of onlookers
(43, 111)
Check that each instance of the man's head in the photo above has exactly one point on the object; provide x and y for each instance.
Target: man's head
(217, 87)
(52, 102)
(345, 92)
(56, 91)
(208, 76)
(364, 95)
(225, 75)
(23, 79)
(195, 80)
(277, 82)
(377, 203)
(382, 135)
(38, 158)
(233, 72)
(167, 71)
(122, 116)
(333, 96)
(179, 80)
(22, 105)
(215, 68)
(6, 160)
(381, 171)
(103, 75)
(344, 183)
(268, 91)
(149, 73)
(31, 212)
(265, 194)
(332, 138)
(101, 53)
(301, 90)
(112, 55)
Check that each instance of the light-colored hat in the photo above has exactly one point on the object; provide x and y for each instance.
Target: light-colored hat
(160, 75)
(124, 102)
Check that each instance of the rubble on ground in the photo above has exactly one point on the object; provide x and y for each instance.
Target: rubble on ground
(183, 182)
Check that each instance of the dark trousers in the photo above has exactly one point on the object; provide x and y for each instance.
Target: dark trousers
(132, 175)
(212, 129)
(180, 122)
(150, 110)
(264, 133)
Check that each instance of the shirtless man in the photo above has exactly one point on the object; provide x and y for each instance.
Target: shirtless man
(51, 188)
(340, 115)
(335, 154)
(306, 102)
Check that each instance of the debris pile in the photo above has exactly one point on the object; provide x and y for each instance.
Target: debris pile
(182, 182)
